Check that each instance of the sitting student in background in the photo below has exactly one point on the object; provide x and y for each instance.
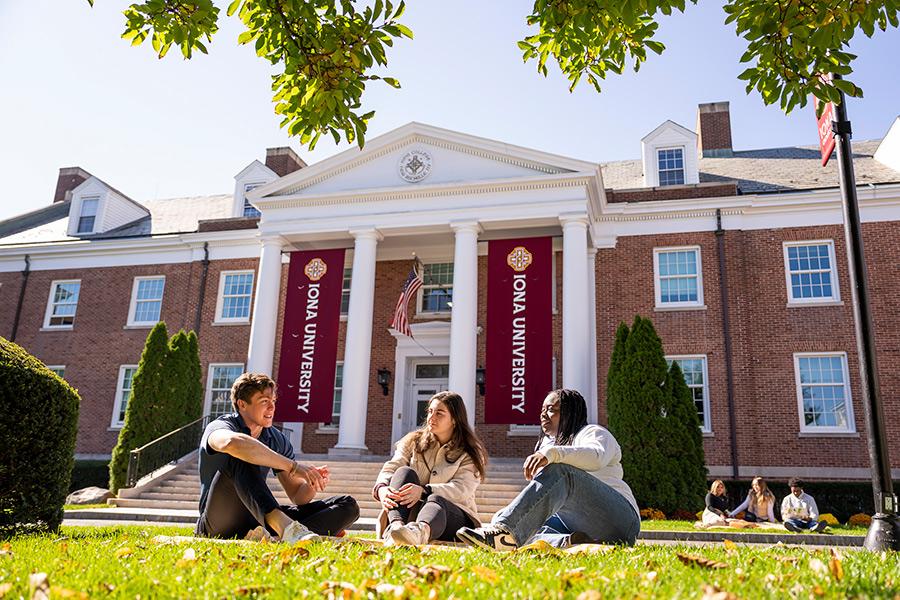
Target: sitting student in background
(575, 492)
(427, 490)
(716, 512)
(799, 510)
(759, 504)
(236, 453)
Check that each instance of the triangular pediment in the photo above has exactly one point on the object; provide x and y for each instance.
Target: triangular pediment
(416, 156)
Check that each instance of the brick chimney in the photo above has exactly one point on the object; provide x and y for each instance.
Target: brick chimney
(283, 161)
(714, 130)
(69, 179)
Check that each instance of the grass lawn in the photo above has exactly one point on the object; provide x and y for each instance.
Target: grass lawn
(84, 506)
(125, 562)
(689, 526)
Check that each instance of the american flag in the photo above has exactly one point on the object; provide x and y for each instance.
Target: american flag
(412, 285)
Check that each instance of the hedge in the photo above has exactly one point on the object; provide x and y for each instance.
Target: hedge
(38, 425)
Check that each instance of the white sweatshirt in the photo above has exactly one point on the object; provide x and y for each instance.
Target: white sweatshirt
(802, 507)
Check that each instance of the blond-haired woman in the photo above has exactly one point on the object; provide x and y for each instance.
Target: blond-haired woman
(759, 504)
(427, 490)
(716, 512)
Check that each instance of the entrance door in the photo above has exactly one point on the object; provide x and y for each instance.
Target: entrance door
(428, 378)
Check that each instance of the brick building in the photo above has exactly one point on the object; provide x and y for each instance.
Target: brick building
(730, 253)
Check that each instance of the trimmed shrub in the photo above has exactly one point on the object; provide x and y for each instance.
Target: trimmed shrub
(860, 520)
(651, 514)
(145, 414)
(654, 419)
(829, 518)
(88, 473)
(37, 437)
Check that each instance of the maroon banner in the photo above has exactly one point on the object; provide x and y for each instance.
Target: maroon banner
(312, 313)
(519, 369)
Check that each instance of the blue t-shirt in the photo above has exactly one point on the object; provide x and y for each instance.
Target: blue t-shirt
(211, 462)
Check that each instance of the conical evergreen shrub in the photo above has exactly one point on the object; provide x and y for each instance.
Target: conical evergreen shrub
(145, 414)
(659, 436)
(38, 425)
(194, 408)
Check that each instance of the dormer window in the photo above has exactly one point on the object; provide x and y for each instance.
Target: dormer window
(249, 209)
(88, 215)
(671, 166)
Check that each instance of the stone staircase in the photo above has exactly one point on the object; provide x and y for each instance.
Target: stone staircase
(178, 490)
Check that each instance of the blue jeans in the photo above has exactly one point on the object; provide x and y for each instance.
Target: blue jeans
(803, 523)
(562, 499)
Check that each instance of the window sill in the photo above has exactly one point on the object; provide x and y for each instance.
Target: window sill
(828, 434)
(115, 427)
(707, 434)
(809, 304)
(344, 318)
(431, 316)
(525, 431)
(326, 430)
(137, 326)
(57, 328)
(679, 308)
(229, 323)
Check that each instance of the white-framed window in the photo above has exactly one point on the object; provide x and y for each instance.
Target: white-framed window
(146, 300)
(218, 387)
(696, 376)
(235, 297)
(88, 215)
(123, 394)
(678, 277)
(249, 209)
(436, 293)
(345, 290)
(338, 393)
(810, 272)
(60, 370)
(823, 392)
(62, 303)
(670, 162)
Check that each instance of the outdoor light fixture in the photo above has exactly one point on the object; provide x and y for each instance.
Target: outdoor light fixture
(479, 380)
(384, 378)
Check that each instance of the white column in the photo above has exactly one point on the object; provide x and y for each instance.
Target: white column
(464, 316)
(261, 352)
(592, 336)
(358, 345)
(576, 353)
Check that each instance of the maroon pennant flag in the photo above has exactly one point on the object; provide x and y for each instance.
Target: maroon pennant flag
(519, 370)
(312, 314)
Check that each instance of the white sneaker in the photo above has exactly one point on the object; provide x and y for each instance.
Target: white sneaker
(260, 534)
(386, 537)
(411, 534)
(296, 532)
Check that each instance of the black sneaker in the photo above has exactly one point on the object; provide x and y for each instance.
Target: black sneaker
(489, 538)
(579, 537)
(820, 527)
(791, 527)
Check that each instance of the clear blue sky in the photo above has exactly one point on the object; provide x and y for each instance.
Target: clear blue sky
(73, 93)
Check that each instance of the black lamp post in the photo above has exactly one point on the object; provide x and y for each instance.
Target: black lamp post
(884, 533)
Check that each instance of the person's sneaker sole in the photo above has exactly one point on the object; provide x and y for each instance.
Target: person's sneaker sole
(791, 527)
(404, 537)
(465, 536)
(579, 537)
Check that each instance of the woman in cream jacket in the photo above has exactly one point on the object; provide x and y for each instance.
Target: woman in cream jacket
(427, 490)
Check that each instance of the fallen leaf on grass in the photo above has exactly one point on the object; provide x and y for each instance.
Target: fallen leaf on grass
(389, 589)
(430, 573)
(788, 560)
(485, 574)
(39, 586)
(368, 552)
(729, 545)
(817, 566)
(835, 565)
(123, 552)
(61, 592)
(711, 592)
(538, 546)
(818, 591)
(590, 595)
(701, 561)
(188, 559)
(4, 588)
(253, 590)
(589, 549)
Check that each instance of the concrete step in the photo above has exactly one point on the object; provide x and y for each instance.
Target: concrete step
(485, 489)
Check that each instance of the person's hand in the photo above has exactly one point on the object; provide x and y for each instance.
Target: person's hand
(533, 464)
(310, 473)
(388, 497)
(409, 494)
(325, 472)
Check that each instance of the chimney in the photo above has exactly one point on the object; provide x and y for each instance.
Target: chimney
(714, 130)
(283, 161)
(69, 179)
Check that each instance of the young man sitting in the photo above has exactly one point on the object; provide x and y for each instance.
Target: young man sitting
(236, 452)
(799, 510)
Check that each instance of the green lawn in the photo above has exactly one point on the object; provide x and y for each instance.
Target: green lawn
(125, 562)
(84, 506)
(689, 526)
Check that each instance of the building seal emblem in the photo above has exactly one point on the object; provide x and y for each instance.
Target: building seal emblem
(415, 166)
(315, 269)
(519, 259)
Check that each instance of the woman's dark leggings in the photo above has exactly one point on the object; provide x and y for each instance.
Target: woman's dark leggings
(443, 517)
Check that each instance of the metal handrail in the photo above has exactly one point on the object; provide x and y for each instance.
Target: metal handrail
(170, 447)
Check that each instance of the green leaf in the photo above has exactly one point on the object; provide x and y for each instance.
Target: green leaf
(233, 7)
(391, 82)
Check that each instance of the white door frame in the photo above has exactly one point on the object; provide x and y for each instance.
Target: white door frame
(410, 412)
(435, 337)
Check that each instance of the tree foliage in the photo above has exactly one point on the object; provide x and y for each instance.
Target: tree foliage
(326, 50)
(653, 418)
(38, 425)
(166, 393)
